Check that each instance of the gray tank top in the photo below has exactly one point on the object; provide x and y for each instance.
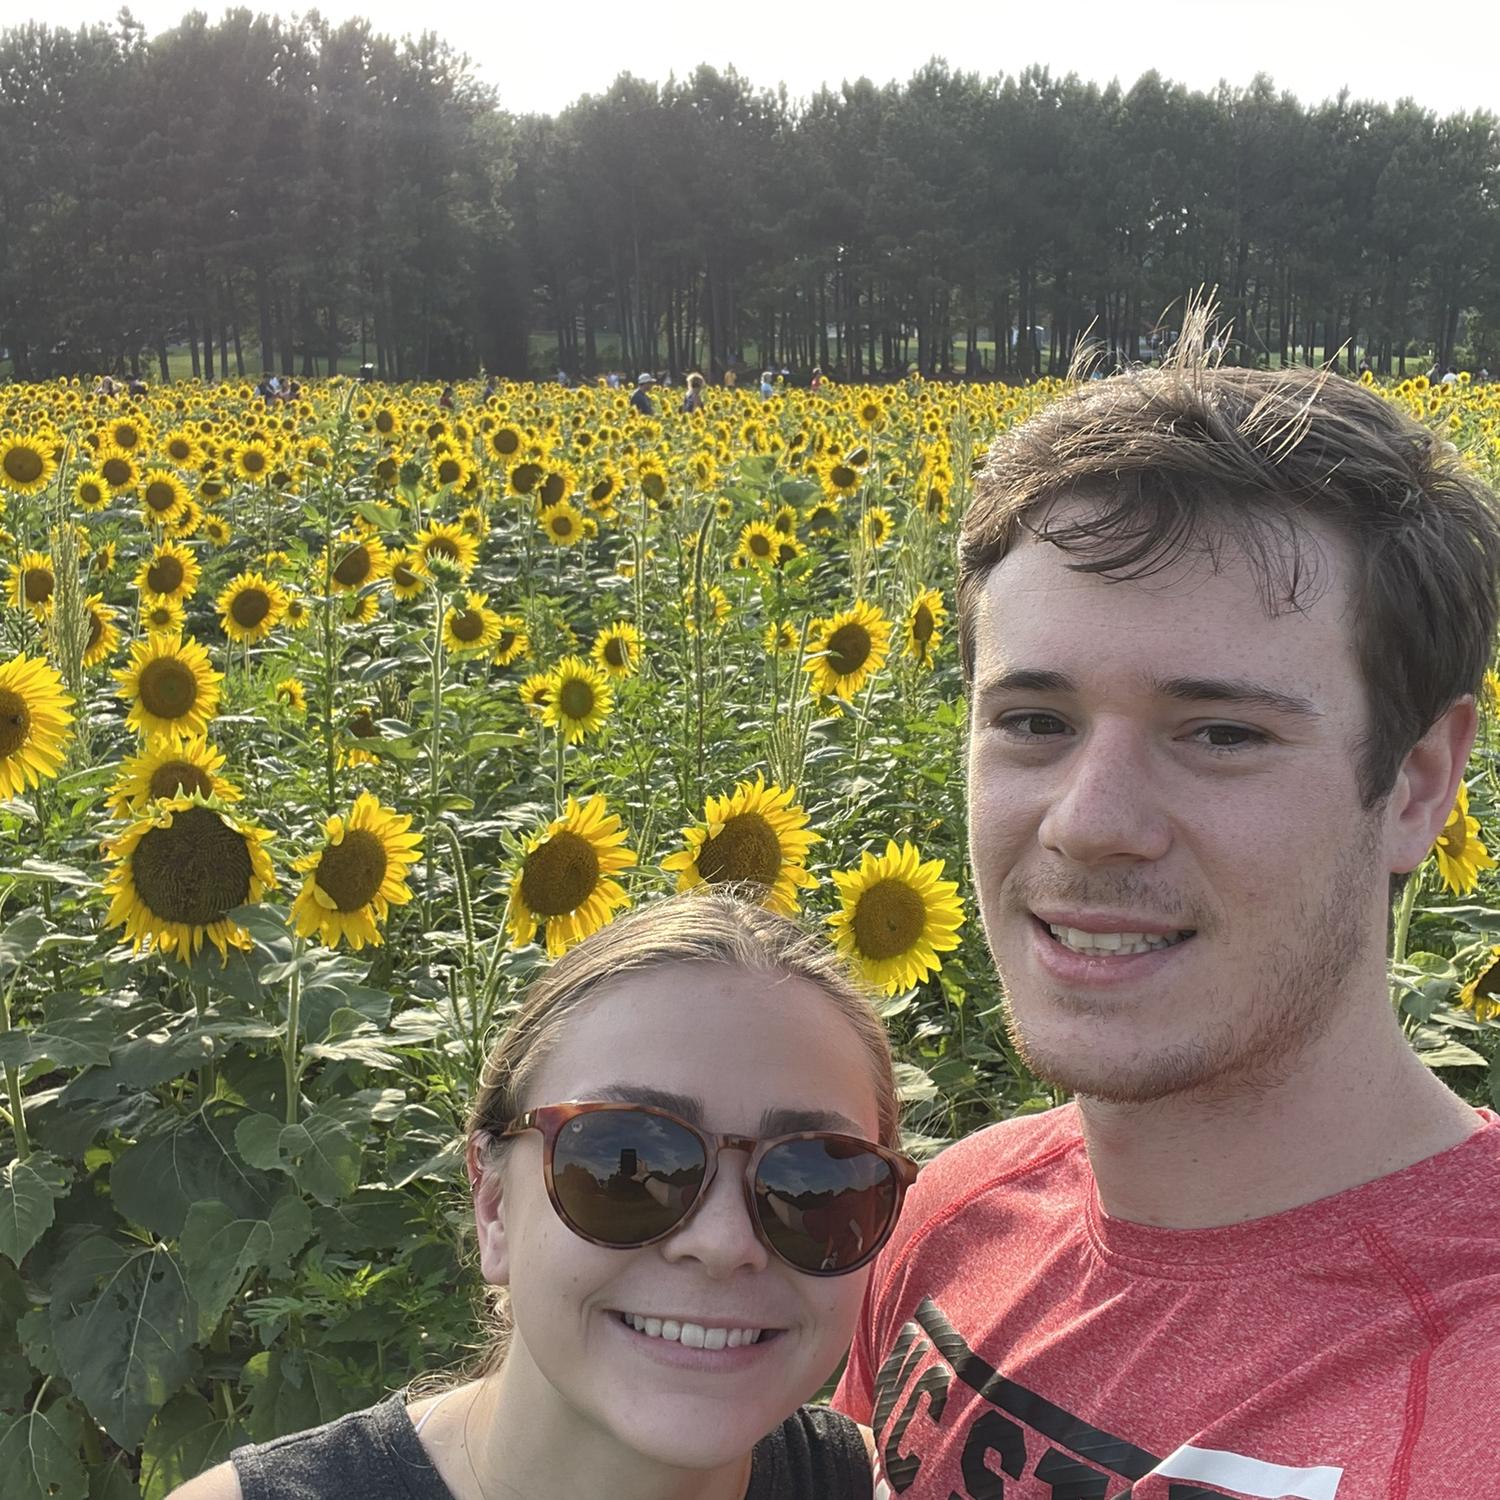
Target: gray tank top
(375, 1454)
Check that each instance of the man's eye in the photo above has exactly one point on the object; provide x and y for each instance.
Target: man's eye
(1229, 736)
(1033, 726)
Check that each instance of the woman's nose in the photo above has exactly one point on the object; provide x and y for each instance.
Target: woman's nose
(720, 1235)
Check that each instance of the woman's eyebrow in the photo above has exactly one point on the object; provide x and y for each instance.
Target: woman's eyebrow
(689, 1106)
(790, 1121)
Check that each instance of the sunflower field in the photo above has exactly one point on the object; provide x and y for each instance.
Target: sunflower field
(323, 724)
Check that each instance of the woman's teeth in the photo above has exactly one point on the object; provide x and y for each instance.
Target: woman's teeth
(693, 1335)
(1113, 942)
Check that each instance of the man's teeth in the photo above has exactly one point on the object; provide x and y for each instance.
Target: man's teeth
(1112, 942)
(693, 1335)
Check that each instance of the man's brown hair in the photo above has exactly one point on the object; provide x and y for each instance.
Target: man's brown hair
(1198, 458)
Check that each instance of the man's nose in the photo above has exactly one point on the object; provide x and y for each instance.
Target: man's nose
(1108, 803)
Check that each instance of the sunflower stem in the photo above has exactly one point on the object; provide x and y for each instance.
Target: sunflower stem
(289, 1051)
(434, 747)
(698, 687)
(466, 915)
(208, 1074)
(13, 1084)
(1402, 929)
(559, 773)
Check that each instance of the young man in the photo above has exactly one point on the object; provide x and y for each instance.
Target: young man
(1224, 631)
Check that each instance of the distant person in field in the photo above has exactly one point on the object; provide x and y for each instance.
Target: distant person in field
(767, 384)
(1223, 631)
(640, 397)
(731, 378)
(692, 398)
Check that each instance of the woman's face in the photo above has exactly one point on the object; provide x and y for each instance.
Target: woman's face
(738, 1048)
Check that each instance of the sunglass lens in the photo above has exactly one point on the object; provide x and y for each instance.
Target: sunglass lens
(624, 1176)
(826, 1205)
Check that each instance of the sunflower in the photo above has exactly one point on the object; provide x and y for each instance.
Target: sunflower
(474, 520)
(1460, 851)
(870, 413)
(445, 543)
(34, 721)
(179, 870)
(171, 688)
(716, 611)
(450, 470)
(758, 544)
(652, 479)
(924, 622)
(404, 571)
(298, 616)
(102, 563)
(104, 633)
(471, 628)
(878, 526)
(253, 460)
(505, 441)
(846, 649)
(250, 607)
(181, 447)
(162, 617)
(91, 491)
(32, 582)
(581, 699)
(167, 769)
(780, 638)
(536, 692)
(514, 643)
(617, 649)
(566, 881)
(361, 609)
(26, 464)
(118, 469)
(291, 692)
(563, 523)
(126, 434)
(784, 520)
(757, 836)
(357, 876)
(164, 498)
(823, 517)
(218, 531)
(896, 915)
(1481, 995)
(171, 572)
(839, 479)
(357, 561)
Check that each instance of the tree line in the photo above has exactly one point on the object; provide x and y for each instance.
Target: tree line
(286, 194)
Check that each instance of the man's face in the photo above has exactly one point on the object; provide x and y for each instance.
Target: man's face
(1176, 877)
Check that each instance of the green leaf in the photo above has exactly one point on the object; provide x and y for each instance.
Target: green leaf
(156, 1181)
(318, 1153)
(29, 1191)
(19, 940)
(40, 1453)
(123, 1323)
(186, 1437)
(218, 1252)
(291, 1228)
(80, 1040)
(52, 874)
(373, 1219)
(1451, 1054)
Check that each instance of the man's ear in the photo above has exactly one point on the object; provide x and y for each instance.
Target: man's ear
(1427, 785)
(489, 1213)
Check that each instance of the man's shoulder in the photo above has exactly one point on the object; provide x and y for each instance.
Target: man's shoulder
(966, 1171)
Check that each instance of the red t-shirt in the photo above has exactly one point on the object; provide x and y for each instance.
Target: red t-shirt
(1016, 1341)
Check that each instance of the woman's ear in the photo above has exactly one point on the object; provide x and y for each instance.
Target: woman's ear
(489, 1213)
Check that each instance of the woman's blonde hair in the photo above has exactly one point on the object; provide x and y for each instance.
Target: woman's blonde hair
(710, 925)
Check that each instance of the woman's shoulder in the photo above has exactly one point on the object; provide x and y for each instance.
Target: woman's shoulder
(816, 1454)
(370, 1454)
(218, 1483)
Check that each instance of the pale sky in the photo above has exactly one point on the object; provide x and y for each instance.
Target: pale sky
(543, 56)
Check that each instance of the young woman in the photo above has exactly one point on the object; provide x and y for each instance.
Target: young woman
(682, 1162)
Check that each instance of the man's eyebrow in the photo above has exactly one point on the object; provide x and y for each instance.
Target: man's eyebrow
(1026, 680)
(1238, 691)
